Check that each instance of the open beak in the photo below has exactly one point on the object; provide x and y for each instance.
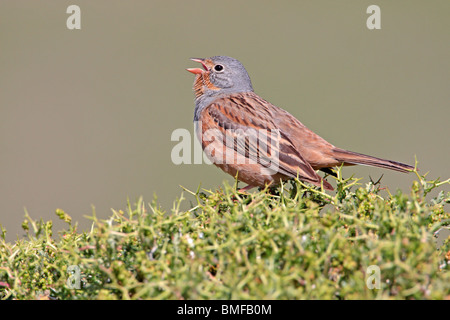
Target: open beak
(198, 70)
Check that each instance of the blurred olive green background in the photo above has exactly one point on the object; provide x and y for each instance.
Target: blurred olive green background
(86, 115)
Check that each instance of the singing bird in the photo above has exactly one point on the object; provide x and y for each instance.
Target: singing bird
(227, 109)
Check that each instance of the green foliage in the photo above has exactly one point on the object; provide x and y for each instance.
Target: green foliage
(295, 242)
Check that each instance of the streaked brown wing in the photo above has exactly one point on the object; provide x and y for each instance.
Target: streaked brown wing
(247, 119)
(314, 149)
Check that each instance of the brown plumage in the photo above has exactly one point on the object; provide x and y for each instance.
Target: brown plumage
(262, 144)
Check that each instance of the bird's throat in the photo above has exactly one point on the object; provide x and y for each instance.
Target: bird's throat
(202, 84)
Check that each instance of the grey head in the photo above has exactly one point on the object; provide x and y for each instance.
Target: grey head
(222, 75)
(230, 75)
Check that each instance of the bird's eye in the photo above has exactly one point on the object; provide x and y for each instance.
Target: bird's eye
(218, 67)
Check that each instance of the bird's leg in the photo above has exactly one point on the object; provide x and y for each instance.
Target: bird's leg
(245, 189)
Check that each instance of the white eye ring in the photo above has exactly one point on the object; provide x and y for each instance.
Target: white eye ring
(218, 68)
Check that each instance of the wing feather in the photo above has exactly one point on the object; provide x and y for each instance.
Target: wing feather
(246, 121)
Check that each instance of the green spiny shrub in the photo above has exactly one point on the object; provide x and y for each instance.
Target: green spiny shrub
(294, 242)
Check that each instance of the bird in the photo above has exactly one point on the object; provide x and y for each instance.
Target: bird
(257, 142)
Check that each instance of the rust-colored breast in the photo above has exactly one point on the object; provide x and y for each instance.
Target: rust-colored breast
(203, 83)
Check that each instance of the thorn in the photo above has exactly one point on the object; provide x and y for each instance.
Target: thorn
(377, 182)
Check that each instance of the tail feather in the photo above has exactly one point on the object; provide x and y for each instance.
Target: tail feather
(349, 157)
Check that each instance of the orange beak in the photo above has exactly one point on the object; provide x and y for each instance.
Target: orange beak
(198, 70)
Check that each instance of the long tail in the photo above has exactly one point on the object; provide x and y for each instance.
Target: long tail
(349, 157)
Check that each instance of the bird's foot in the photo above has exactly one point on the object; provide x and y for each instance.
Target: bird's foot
(245, 189)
